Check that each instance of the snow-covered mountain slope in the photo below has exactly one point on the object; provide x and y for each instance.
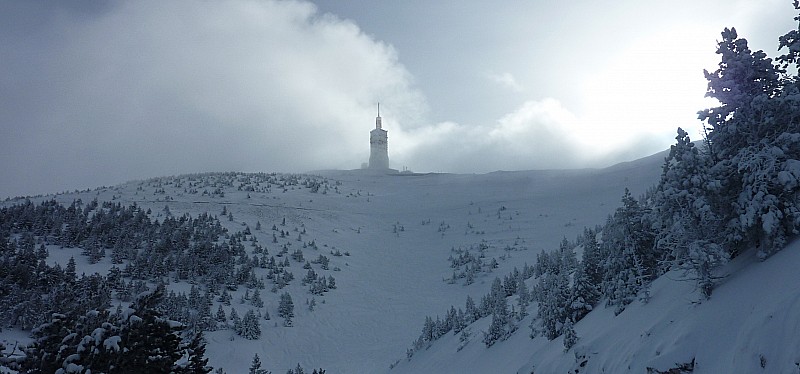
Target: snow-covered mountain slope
(751, 325)
(397, 233)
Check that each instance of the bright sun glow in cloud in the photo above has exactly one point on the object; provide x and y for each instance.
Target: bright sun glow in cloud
(633, 102)
(646, 90)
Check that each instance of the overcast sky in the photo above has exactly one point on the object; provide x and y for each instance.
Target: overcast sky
(101, 92)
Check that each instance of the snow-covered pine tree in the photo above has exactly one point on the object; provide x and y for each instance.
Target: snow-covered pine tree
(255, 300)
(196, 362)
(297, 370)
(742, 78)
(255, 366)
(584, 295)
(250, 327)
(497, 297)
(151, 343)
(225, 297)
(566, 252)
(553, 307)
(685, 214)
(138, 340)
(286, 309)
(331, 282)
(236, 321)
(221, 316)
(629, 259)
(194, 297)
(570, 337)
(523, 298)
(428, 330)
(50, 347)
(70, 269)
(592, 259)
(755, 143)
(471, 311)
(459, 323)
(501, 325)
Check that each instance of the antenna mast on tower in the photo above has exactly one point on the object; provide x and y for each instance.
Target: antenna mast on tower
(378, 118)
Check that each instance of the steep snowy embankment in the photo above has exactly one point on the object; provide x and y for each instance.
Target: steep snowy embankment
(750, 325)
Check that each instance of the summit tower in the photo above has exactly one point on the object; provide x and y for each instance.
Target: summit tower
(378, 145)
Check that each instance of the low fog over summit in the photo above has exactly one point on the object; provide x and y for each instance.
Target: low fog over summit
(100, 92)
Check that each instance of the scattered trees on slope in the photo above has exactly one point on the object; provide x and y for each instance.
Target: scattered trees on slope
(741, 190)
(153, 250)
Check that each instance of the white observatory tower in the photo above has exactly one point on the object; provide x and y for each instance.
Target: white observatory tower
(378, 145)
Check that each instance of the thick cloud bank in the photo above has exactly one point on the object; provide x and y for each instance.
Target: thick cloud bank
(99, 92)
(99, 96)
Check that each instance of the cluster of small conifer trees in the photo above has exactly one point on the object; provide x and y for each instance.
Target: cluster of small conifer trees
(255, 368)
(215, 184)
(153, 251)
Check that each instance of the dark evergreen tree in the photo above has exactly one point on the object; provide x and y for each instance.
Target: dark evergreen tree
(297, 370)
(331, 282)
(49, 349)
(255, 300)
(286, 308)
(501, 325)
(70, 269)
(255, 366)
(236, 321)
(592, 260)
(150, 341)
(471, 311)
(197, 363)
(250, 326)
(523, 297)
